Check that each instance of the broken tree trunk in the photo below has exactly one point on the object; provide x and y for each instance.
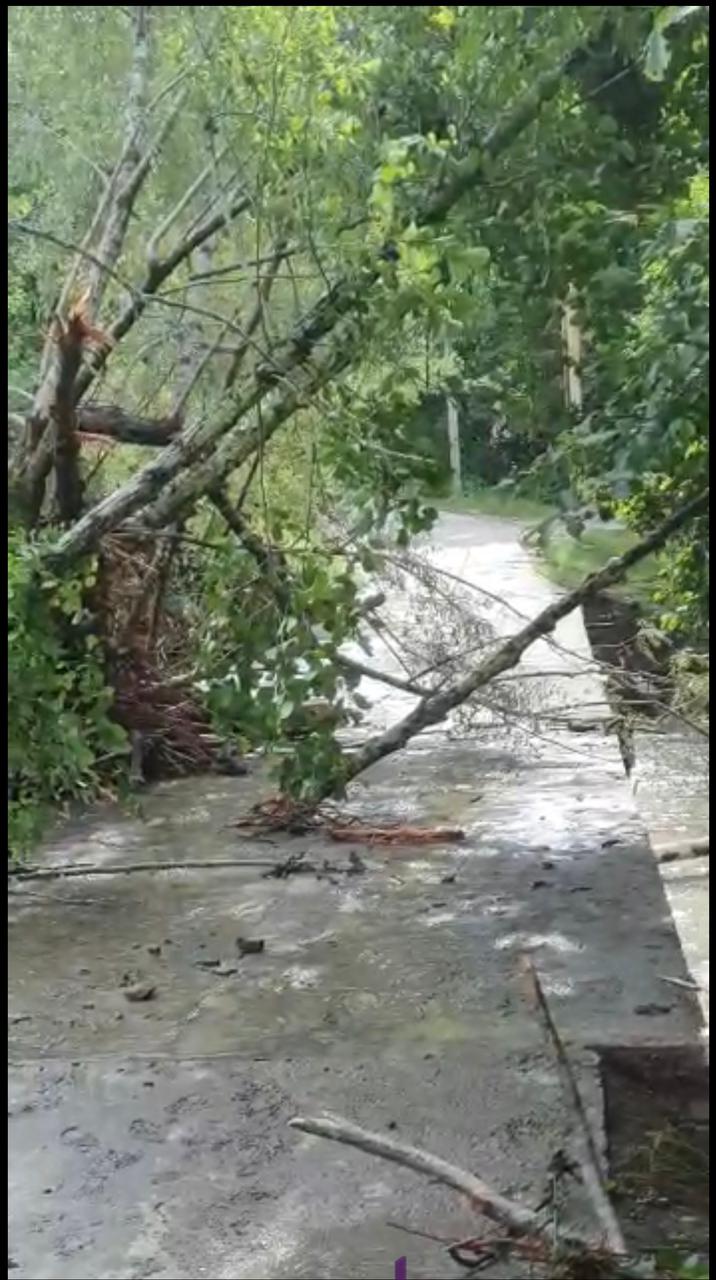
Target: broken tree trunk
(108, 228)
(69, 339)
(204, 454)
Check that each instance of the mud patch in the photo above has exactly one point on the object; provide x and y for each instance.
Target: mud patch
(656, 1102)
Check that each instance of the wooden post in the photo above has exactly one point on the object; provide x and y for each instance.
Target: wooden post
(453, 431)
(572, 343)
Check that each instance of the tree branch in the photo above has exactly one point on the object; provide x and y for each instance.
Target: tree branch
(590, 1162)
(518, 1220)
(118, 424)
(131, 169)
(294, 354)
(434, 709)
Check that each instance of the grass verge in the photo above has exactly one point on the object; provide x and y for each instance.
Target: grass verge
(496, 502)
(566, 561)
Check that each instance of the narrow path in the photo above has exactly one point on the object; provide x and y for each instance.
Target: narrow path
(150, 1139)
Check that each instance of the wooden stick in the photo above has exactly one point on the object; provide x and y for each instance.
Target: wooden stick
(517, 1219)
(589, 1156)
(90, 869)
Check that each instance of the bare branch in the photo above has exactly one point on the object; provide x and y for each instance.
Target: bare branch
(124, 185)
(155, 277)
(131, 868)
(434, 709)
(180, 492)
(517, 1219)
(254, 320)
(178, 209)
(589, 1161)
(382, 677)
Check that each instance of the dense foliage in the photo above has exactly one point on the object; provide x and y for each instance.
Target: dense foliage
(61, 736)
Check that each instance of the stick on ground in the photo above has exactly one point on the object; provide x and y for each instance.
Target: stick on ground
(517, 1219)
(588, 1156)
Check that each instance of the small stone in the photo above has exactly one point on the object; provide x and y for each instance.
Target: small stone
(88, 1004)
(652, 1010)
(547, 864)
(139, 992)
(250, 946)
(119, 1016)
(538, 884)
(154, 950)
(448, 879)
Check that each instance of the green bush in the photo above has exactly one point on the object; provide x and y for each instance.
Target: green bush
(61, 738)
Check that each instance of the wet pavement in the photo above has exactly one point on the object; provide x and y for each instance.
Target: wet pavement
(150, 1138)
(671, 788)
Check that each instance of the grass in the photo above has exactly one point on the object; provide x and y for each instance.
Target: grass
(497, 502)
(567, 560)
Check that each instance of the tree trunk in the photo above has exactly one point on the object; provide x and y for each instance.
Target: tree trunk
(204, 454)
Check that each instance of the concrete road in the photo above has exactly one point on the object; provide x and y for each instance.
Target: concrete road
(151, 1139)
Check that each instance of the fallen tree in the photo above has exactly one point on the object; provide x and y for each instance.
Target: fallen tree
(435, 708)
(369, 287)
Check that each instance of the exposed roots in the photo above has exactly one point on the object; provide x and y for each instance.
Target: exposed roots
(175, 735)
(172, 729)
